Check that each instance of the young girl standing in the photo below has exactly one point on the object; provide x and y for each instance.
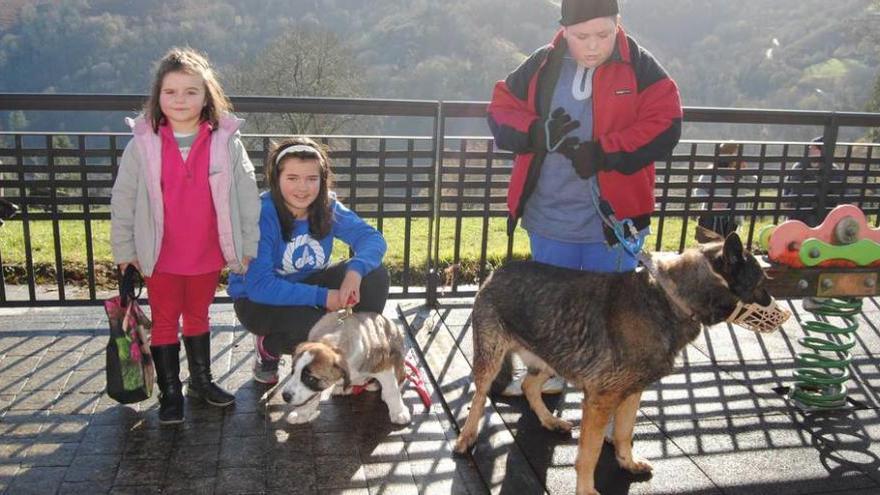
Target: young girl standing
(291, 284)
(184, 206)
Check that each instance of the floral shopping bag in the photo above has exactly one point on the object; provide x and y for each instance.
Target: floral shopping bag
(130, 371)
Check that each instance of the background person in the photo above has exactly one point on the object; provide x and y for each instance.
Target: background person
(719, 216)
(802, 188)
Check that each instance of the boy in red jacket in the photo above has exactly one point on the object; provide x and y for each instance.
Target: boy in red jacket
(586, 117)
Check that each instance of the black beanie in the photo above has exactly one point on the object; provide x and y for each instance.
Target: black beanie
(577, 11)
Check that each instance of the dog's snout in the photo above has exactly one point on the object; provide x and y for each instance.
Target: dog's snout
(287, 396)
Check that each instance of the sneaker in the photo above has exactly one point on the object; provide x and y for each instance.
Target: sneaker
(265, 364)
(552, 386)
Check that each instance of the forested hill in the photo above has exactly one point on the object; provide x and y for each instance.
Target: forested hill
(807, 54)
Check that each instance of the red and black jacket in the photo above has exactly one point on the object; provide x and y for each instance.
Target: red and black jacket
(636, 119)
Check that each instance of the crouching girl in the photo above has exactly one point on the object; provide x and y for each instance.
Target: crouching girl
(292, 282)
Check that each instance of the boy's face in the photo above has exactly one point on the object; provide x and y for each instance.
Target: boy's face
(591, 42)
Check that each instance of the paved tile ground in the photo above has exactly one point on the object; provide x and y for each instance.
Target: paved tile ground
(715, 426)
(59, 433)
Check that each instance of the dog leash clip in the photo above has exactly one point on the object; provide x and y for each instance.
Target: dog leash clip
(347, 311)
(343, 314)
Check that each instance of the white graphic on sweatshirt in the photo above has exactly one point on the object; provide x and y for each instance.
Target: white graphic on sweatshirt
(582, 84)
(311, 255)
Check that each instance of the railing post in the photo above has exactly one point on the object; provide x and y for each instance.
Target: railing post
(829, 143)
(423, 179)
(434, 222)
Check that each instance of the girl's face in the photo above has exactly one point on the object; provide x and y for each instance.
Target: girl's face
(300, 182)
(182, 98)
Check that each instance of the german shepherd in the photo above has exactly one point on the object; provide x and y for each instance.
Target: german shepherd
(610, 335)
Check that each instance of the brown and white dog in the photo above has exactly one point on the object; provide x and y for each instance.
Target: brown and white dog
(345, 349)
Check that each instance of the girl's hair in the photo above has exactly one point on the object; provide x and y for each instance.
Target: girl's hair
(191, 62)
(320, 212)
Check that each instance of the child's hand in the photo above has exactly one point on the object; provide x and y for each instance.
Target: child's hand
(350, 290)
(333, 302)
(245, 262)
(123, 266)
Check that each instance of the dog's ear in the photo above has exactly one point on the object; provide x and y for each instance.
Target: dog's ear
(733, 253)
(705, 236)
(343, 368)
(298, 349)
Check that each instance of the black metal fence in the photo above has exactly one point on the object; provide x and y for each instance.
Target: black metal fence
(439, 199)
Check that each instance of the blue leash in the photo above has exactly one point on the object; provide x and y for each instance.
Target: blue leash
(632, 244)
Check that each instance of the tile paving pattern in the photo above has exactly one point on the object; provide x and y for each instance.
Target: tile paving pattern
(715, 426)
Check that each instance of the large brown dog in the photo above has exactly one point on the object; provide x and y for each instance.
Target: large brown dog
(610, 335)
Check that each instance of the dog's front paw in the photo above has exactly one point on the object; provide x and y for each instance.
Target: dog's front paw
(555, 424)
(635, 465)
(402, 417)
(463, 443)
(295, 418)
(298, 418)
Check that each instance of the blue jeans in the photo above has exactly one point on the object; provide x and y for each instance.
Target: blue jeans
(586, 256)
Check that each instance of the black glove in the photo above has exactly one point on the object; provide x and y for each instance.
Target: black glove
(586, 157)
(559, 124)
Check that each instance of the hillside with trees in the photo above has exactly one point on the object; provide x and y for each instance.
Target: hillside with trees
(799, 54)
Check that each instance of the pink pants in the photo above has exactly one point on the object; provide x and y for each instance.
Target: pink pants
(171, 296)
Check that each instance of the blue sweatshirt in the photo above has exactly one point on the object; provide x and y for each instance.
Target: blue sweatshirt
(275, 276)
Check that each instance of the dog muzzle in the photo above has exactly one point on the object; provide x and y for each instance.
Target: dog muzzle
(758, 318)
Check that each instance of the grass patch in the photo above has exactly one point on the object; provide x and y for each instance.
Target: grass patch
(74, 260)
(42, 237)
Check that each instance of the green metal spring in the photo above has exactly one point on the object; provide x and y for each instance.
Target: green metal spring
(822, 374)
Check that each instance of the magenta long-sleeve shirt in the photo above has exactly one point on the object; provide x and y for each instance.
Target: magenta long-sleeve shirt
(191, 243)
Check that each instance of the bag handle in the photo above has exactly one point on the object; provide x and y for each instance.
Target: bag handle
(130, 279)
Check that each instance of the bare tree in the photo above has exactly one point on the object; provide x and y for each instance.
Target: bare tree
(305, 61)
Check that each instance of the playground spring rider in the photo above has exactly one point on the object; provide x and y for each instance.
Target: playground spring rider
(835, 265)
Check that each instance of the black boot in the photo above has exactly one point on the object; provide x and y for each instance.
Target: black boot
(167, 360)
(201, 385)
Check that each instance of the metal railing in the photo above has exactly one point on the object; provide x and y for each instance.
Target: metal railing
(440, 199)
